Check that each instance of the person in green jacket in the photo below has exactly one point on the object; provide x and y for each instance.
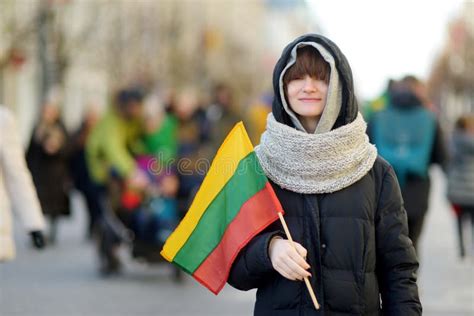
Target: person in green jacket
(155, 153)
(110, 161)
(160, 133)
(108, 147)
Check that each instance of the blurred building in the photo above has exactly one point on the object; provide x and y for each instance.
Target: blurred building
(451, 83)
(90, 48)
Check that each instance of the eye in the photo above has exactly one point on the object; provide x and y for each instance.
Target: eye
(298, 78)
(296, 82)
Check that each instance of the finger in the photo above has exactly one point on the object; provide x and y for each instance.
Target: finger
(297, 269)
(296, 257)
(291, 268)
(287, 276)
(287, 269)
(282, 269)
(301, 250)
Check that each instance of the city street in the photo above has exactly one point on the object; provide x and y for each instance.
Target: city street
(63, 280)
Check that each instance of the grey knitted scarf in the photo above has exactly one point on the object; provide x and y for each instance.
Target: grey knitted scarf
(315, 163)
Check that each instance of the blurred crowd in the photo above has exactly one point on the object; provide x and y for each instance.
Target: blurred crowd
(139, 164)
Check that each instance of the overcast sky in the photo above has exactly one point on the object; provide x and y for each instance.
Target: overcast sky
(386, 38)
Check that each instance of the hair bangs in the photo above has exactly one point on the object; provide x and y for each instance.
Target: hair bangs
(308, 62)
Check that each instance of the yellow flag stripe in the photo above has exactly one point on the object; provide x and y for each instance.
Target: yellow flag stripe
(235, 147)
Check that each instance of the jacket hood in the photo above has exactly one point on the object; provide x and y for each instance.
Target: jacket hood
(341, 107)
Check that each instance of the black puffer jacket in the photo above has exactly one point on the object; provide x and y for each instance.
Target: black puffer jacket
(357, 238)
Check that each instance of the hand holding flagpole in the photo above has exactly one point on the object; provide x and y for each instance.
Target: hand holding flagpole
(306, 280)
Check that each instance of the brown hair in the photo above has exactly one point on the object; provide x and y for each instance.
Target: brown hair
(308, 62)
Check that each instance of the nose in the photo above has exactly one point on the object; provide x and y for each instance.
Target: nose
(310, 84)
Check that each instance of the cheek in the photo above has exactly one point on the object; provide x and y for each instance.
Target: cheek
(324, 89)
(291, 91)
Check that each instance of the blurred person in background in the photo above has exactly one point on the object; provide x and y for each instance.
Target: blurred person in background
(461, 177)
(47, 157)
(108, 148)
(153, 211)
(168, 97)
(17, 191)
(112, 166)
(342, 202)
(194, 145)
(257, 116)
(409, 137)
(79, 171)
(160, 132)
(156, 149)
(420, 89)
(221, 115)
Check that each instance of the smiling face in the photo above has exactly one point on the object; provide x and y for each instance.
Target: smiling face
(307, 96)
(306, 86)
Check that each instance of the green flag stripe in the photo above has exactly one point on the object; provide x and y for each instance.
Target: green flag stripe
(247, 180)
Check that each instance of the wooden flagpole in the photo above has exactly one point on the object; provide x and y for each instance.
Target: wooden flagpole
(306, 280)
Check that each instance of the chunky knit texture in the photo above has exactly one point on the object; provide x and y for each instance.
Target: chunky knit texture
(315, 163)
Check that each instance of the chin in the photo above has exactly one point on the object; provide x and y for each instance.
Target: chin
(310, 112)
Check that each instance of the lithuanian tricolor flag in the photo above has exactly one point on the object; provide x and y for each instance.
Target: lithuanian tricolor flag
(234, 203)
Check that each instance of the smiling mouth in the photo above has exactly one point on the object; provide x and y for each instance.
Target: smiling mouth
(310, 100)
